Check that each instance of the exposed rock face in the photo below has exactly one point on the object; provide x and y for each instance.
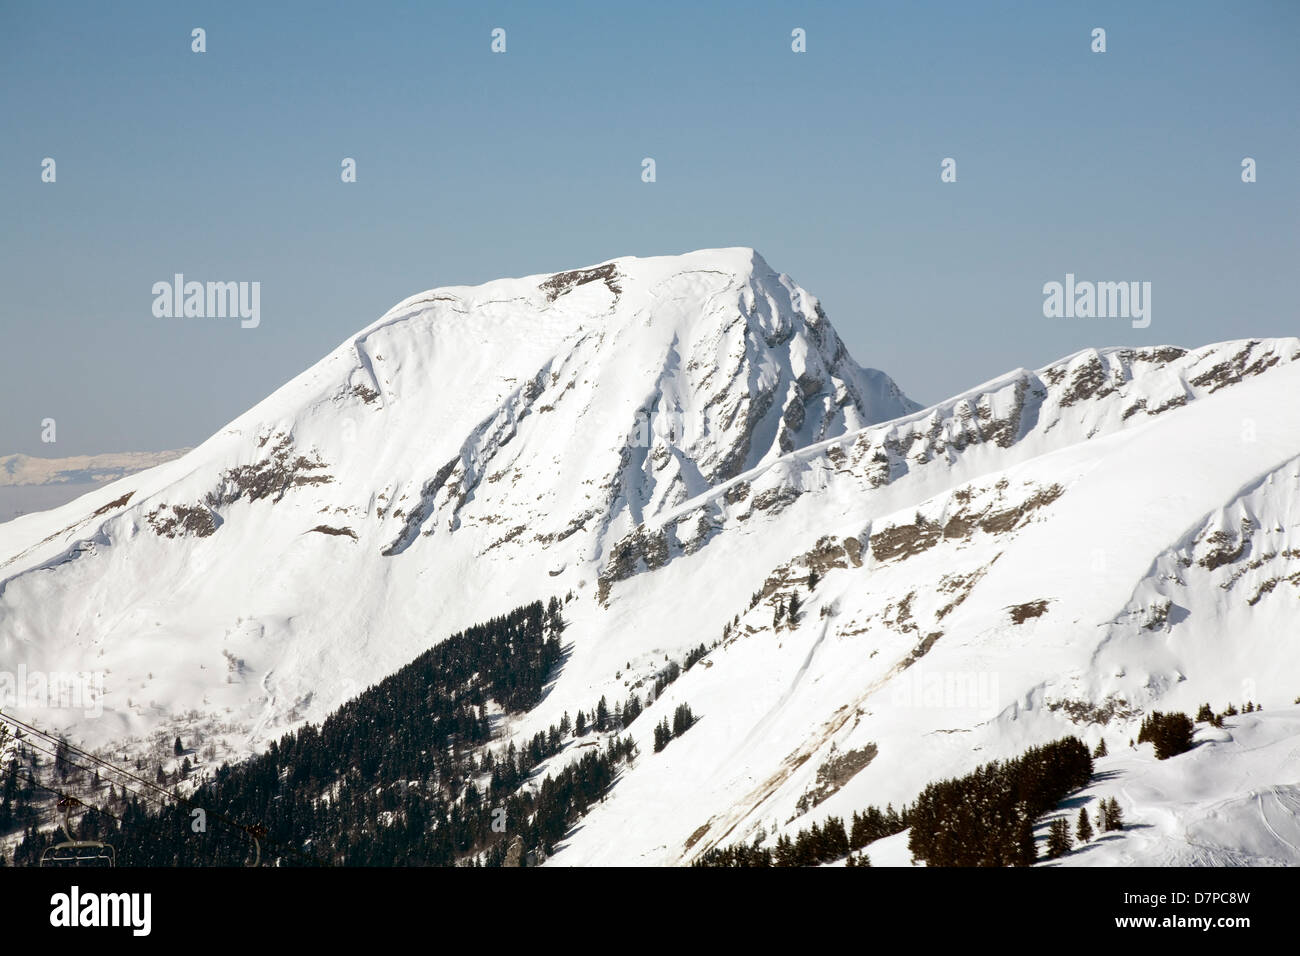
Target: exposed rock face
(838, 770)
(1030, 609)
(682, 452)
(271, 477)
(175, 520)
(1084, 396)
(562, 282)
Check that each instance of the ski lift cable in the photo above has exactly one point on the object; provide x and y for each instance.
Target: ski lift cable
(72, 763)
(89, 756)
(34, 745)
(257, 832)
(64, 796)
(77, 800)
(74, 851)
(167, 795)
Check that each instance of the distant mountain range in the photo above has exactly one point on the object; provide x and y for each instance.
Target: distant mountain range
(37, 484)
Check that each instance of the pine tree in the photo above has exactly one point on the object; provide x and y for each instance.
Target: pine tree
(663, 734)
(178, 748)
(602, 714)
(835, 839)
(1084, 828)
(682, 719)
(1058, 838)
(1170, 733)
(1112, 818)
(785, 854)
(1026, 848)
(793, 611)
(1101, 749)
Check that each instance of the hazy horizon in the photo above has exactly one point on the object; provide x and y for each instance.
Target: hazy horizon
(224, 166)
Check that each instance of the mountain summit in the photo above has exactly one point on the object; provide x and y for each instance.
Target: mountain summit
(472, 445)
(873, 595)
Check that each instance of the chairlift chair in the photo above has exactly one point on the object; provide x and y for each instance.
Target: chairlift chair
(77, 852)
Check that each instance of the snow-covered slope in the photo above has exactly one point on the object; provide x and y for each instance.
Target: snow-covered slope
(975, 600)
(472, 449)
(1234, 800)
(677, 442)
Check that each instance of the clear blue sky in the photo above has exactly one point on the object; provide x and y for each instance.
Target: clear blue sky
(471, 166)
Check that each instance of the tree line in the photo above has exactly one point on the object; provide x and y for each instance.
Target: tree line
(986, 818)
(394, 776)
(820, 843)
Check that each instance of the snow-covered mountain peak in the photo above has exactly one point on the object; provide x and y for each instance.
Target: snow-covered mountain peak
(683, 450)
(494, 438)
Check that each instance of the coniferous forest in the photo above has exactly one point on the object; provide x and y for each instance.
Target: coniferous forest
(821, 843)
(1171, 734)
(403, 775)
(985, 818)
(397, 776)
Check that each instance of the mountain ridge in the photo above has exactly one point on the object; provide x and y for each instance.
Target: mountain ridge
(683, 449)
